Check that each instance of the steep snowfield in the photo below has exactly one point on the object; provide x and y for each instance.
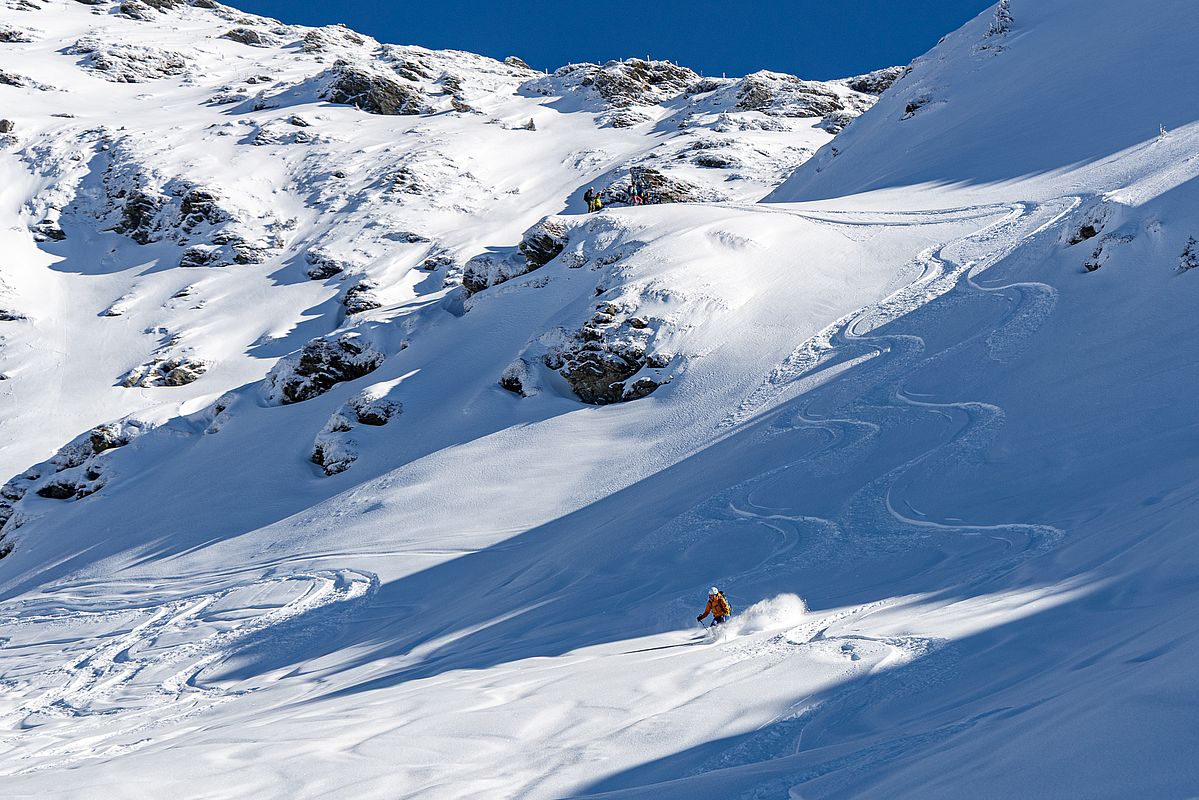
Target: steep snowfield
(927, 417)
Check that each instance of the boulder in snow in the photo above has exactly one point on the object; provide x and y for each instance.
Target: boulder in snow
(321, 365)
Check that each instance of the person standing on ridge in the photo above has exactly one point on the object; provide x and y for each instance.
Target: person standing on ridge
(589, 197)
(717, 606)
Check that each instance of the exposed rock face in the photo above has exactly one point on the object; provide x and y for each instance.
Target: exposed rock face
(372, 92)
(321, 40)
(878, 81)
(837, 120)
(23, 82)
(322, 265)
(1189, 259)
(782, 95)
(135, 9)
(361, 297)
(619, 87)
(11, 35)
(138, 216)
(543, 242)
(665, 189)
(335, 447)
(7, 126)
(48, 230)
(519, 377)
(321, 365)
(540, 245)
(77, 470)
(608, 360)
(372, 410)
(126, 63)
(519, 63)
(249, 36)
(166, 370)
(11, 316)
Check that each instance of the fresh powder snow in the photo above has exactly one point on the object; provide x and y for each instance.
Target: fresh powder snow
(345, 453)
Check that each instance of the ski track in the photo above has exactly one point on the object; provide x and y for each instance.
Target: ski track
(141, 663)
(873, 519)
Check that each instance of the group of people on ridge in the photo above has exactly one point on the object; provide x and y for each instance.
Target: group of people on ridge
(595, 200)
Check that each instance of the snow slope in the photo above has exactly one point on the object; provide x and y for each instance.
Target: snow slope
(927, 417)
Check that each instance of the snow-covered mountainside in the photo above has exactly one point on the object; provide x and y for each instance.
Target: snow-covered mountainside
(349, 455)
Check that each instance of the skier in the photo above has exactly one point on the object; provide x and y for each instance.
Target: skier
(717, 606)
(589, 197)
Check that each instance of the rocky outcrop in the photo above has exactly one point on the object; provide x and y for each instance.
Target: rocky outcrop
(249, 36)
(659, 187)
(77, 470)
(372, 91)
(7, 126)
(878, 81)
(539, 245)
(322, 40)
(321, 365)
(361, 297)
(322, 265)
(127, 63)
(23, 82)
(48, 230)
(609, 359)
(178, 369)
(1189, 259)
(335, 448)
(11, 35)
(777, 94)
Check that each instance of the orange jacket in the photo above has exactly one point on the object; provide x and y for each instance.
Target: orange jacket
(717, 606)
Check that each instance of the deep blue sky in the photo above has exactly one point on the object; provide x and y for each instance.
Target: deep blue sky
(817, 39)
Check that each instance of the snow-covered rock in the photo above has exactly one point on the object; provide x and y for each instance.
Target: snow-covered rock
(320, 365)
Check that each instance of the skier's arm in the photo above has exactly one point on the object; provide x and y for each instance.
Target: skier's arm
(707, 608)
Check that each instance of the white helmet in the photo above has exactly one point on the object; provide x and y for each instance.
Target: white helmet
(713, 591)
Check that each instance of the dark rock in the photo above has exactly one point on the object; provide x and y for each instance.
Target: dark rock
(199, 206)
(786, 96)
(247, 36)
(374, 411)
(58, 489)
(519, 63)
(11, 316)
(321, 365)
(48, 230)
(108, 436)
(138, 214)
(606, 353)
(202, 255)
(437, 261)
(177, 370)
(913, 106)
(1088, 231)
(322, 265)
(543, 242)
(11, 35)
(372, 92)
(878, 81)
(361, 297)
(7, 126)
(135, 9)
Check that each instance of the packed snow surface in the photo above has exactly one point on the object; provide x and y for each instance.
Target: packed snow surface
(348, 456)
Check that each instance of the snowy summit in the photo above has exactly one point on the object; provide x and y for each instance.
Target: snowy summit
(348, 449)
